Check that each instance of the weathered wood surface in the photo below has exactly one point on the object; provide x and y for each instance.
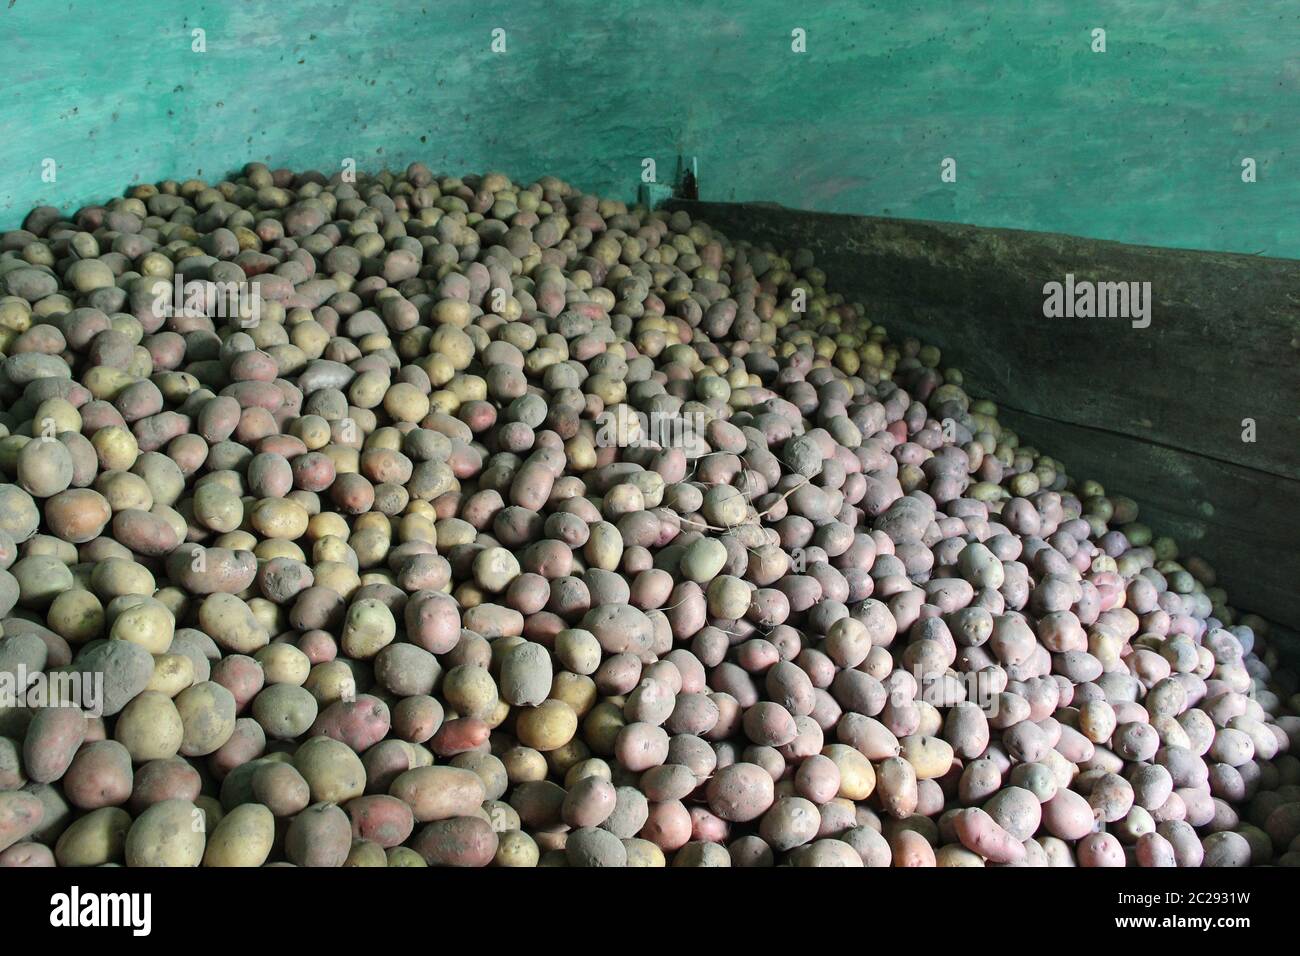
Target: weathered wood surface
(1152, 413)
(1223, 344)
(1244, 521)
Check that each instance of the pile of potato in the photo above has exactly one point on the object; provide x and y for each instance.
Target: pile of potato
(505, 525)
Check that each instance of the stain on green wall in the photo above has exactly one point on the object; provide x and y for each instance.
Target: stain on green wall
(1142, 143)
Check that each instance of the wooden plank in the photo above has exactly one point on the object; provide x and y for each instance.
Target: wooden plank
(1152, 413)
(1223, 344)
(1243, 521)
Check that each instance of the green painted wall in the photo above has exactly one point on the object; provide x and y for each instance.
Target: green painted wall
(1142, 143)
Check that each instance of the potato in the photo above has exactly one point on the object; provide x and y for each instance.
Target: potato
(1100, 849)
(145, 532)
(319, 836)
(980, 834)
(548, 726)
(40, 579)
(578, 651)
(539, 804)
(438, 793)
(589, 803)
(281, 789)
(868, 736)
(769, 724)
(12, 776)
(897, 786)
(150, 728)
(432, 621)
(100, 775)
(406, 670)
(44, 467)
(285, 711)
(21, 814)
(332, 771)
(172, 673)
(740, 792)
(359, 723)
(417, 718)
(489, 768)
(818, 778)
(953, 855)
(229, 622)
(147, 623)
(52, 740)
(829, 852)
(494, 569)
(457, 841)
(369, 628)
(19, 517)
(279, 518)
(526, 675)
(246, 743)
(381, 819)
(404, 856)
(170, 778)
(791, 822)
(516, 849)
(95, 839)
(909, 848)
(643, 853)
(873, 848)
(169, 833)
(244, 837)
(116, 577)
(470, 690)
(703, 560)
(594, 847)
(1068, 816)
(217, 507)
(641, 746)
(930, 757)
(365, 853)
(207, 712)
(27, 855)
(1016, 810)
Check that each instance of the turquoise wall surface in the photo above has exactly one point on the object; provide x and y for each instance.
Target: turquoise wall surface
(1141, 143)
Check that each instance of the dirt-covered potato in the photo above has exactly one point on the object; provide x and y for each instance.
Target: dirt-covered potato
(319, 836)
(21, 814)
(243, 837)
(168, 833)
(457, 841)
(207, 712)
(53, 737)
(100, 775)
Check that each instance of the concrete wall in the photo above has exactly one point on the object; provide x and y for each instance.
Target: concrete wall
(1142, 143)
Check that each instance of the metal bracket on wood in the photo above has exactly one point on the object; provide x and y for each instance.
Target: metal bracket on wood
(685, 185)
(688, 177)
